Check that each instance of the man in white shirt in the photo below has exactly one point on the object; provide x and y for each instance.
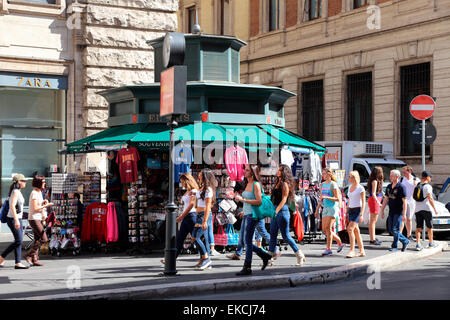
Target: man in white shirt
(424, 211)
(410, 182)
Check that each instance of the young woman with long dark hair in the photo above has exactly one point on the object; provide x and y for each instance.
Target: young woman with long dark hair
(375, 191)
(282, 194)
(205, 197)
(252, 196)
(36, 218)
(14, 220)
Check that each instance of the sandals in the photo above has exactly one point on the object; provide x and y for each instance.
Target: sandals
(361, 254)
(351, 254)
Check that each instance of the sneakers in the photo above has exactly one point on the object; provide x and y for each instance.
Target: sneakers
(405, 245)
(214, 253)
(393, 249)
(376, 242)
(432, 245)
(327, 252)
(340, 247)
(419, 247)
(206, 264)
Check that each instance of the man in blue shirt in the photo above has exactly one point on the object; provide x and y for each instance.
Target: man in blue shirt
(395, 197)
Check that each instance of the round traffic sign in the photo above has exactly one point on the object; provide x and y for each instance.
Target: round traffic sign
(430, 133)
(422, 107)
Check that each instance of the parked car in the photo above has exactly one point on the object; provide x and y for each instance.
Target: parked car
(441, 222)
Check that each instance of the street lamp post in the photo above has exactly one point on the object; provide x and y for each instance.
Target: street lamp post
(170, 249)
(172, 102)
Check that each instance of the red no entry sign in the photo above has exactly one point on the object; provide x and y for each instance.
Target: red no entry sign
(422, 107)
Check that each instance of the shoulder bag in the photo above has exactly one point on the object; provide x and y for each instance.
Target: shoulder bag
(266, 209)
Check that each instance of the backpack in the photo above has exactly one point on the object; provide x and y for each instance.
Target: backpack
(4, 211)
(418, 192)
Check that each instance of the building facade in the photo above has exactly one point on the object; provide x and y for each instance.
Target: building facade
(355, 66)
(54, 56)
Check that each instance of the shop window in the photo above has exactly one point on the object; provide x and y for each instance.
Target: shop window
(32, 130)
(359, 107)
(312, 110)
(312, 9)
(414, 80)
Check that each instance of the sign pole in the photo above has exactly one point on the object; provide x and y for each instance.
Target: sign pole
(423, 145)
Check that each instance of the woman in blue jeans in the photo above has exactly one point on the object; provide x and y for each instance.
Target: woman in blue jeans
(205, 197)
(281, 194)
(188, 216)
(14, 220)
(252, 195)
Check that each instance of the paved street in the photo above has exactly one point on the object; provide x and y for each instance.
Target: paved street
(425, 280)
(109, 272)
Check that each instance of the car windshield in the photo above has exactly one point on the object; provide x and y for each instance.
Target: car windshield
(387, 167)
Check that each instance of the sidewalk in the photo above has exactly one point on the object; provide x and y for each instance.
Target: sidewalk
(120, 276)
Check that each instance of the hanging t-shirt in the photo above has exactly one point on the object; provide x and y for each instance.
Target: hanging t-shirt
(235, 160)
(297, 166)
(182, 159)
(286, 157)
(127, 159)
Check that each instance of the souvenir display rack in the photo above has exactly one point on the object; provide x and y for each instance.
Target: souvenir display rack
(64, 231)
(91, 187)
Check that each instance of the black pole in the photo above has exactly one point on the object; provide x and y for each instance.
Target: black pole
(170, 268)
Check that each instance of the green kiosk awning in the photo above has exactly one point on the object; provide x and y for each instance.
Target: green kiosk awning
(150, 136)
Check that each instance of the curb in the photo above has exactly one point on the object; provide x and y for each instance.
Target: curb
(163, 291)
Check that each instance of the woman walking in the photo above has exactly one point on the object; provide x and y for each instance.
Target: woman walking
(282, 194)
(14, 220)
(330, 198)
(356, 205)
(375, 191)
(36, 218)
(251, 196)
(205, 198)
(188, 216)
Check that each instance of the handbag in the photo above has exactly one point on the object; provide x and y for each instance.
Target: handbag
(266, 209)
(220, 238)
(231, 218)
(4, 211)
(233, 237)
(221, 218)
(298, 226)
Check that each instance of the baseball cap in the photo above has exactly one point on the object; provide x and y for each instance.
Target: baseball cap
(18, 177)
(426, 174)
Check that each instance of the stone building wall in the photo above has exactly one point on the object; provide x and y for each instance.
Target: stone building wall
(116, 51)
(339, 43)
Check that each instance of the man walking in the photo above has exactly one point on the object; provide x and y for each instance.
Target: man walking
(396, 198)
(410, 182)
(423, 194)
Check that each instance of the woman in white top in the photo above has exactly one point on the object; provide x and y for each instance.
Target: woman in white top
(188, 216)
(205, 197)
(355, 206)
(14, 220)
(36, 219)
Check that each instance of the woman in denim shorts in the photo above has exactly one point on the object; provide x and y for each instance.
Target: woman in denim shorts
(329, 198)
(355, 206)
